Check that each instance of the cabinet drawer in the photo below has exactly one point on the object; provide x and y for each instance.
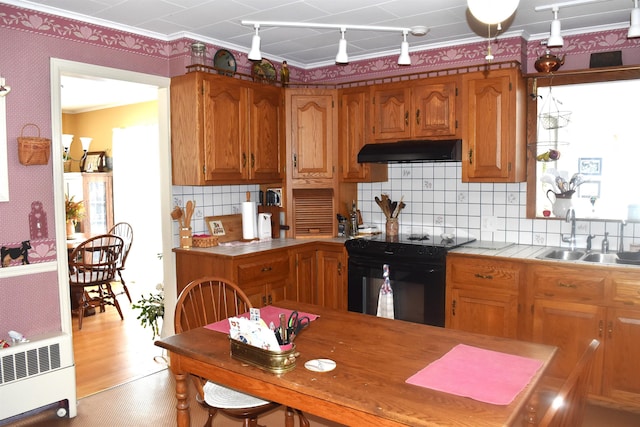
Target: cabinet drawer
(492, 274)
(264, 269)
(568, 284)
(625, 290)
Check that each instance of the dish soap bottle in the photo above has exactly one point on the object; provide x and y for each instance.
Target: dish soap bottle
(605, 243)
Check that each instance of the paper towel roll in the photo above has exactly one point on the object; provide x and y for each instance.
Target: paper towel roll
(249, 221)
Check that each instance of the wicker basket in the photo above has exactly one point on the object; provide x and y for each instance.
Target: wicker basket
(205, 241)
(33, 150)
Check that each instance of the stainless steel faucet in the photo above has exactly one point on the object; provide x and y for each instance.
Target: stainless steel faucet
(622, 224)
(571, 217)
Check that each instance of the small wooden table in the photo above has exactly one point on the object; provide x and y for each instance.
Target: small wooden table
(374, 357)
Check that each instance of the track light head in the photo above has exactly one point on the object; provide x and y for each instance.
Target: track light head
(342, 57)
(555, 38)
(404, 58)
(634, 29)
(254, 53)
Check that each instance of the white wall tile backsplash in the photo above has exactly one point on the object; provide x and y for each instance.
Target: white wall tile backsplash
(438, 201)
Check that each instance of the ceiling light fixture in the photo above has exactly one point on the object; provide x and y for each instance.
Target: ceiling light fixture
(555, 38)
(404, 58)
(634, 29)
(342, 57)
(492, 12)
(254, 53)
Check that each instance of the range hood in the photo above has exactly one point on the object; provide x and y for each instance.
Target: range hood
(449, 150)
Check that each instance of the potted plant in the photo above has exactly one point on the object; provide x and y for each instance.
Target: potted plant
(152, 310)
(74, 213)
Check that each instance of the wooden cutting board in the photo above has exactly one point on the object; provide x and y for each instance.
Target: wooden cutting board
(232, 225)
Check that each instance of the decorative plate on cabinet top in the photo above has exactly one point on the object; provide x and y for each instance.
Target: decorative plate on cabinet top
(263, 70)
(225, 62)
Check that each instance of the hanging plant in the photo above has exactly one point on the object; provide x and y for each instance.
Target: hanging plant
(152, 310)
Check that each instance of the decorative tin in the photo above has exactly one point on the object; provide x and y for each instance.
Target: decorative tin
(276, 362)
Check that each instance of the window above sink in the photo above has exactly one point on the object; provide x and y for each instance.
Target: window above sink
(581, 126)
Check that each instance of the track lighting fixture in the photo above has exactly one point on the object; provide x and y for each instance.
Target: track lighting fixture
(342, 57)
(404, 58)
(555, 38)
(254, 53)
(634, 29)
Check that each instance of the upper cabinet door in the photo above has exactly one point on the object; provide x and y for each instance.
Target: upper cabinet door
(494, 130)
(265, 163)
(392, 111)
(434, 111)
(225, 130)
(312, 135)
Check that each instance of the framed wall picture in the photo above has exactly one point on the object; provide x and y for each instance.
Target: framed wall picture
(590, 165)
(94, 162)
(589, 189)
(216, 227)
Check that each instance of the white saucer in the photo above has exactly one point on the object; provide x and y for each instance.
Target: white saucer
(320, 365)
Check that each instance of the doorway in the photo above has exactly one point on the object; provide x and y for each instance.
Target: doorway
(161, 182)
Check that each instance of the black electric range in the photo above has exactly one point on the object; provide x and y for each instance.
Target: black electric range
(404, 246)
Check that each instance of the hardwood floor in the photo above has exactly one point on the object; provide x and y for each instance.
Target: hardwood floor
(109, 351)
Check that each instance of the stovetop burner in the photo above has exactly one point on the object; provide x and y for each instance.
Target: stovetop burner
(418, 237)
(406, 246)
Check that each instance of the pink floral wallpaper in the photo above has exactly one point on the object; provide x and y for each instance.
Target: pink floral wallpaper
(30, 39)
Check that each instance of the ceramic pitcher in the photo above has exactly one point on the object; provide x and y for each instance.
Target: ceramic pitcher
(561, 202)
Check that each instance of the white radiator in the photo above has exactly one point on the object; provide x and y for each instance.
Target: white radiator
(36, 374)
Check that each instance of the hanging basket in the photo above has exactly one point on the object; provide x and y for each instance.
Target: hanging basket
(33, 150)
(554, 120)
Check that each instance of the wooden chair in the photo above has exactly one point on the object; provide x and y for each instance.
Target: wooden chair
(124, 231)
(93, 264)
(205, 301)
(568, 406)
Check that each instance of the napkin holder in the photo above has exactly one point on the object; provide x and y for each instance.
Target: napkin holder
(276, 362)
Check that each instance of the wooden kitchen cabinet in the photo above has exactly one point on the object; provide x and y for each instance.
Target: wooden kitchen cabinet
(263, 276)
(321, 274)
(493, 128)
(312, 125)
(305, 275)
(224, 130)
(621, 376)
(354, 124)
(332, 277)
(416, 109)
(483, 295)
(568, 311)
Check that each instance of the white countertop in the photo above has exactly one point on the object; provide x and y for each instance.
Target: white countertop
(246, 248)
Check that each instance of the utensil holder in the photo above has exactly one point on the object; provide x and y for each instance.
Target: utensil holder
(392, 227)
(186, 237)
(276, 362)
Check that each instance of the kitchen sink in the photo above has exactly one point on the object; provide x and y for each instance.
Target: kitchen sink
(580, 256)
(563, 254)
(601, 258)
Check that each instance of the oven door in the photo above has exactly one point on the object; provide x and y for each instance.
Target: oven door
(418, 288)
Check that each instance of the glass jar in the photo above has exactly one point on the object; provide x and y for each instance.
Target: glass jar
(392, 227)
(198, 55)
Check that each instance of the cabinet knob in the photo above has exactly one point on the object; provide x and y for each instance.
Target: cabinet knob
(244, 160)
(418, 116)
(253, 161)
(406, 118)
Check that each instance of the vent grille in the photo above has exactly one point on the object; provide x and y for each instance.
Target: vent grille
(30, 362)
(313, 213)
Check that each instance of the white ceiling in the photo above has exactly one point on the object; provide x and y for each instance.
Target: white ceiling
(218, 22)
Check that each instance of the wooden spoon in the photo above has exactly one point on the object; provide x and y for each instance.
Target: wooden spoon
(189, 213)
(176, 214)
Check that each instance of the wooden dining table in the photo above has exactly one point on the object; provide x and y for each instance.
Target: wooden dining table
(374, 357)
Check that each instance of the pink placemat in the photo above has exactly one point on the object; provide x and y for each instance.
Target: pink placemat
(268, 314)
(484, 375)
